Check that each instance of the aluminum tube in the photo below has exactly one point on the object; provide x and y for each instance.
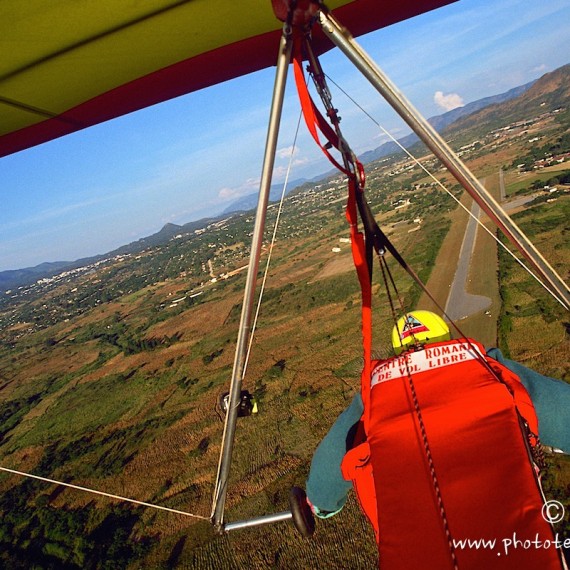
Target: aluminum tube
(266, 519)
(340, 37)
(220, 490)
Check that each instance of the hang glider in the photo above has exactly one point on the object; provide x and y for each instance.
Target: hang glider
(68, 65)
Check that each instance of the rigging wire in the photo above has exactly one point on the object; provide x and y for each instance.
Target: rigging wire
(431, 465)
(387, 273)
(441, 185)
(381, 242)
(380, 246)
(273, 239)
(102, 493)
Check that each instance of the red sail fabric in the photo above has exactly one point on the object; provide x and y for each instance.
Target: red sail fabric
(487, 480)
(68, 65)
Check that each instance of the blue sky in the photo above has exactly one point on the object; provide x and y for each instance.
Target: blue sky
(103, 187)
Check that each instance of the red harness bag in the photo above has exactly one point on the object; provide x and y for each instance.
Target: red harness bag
(474, 412)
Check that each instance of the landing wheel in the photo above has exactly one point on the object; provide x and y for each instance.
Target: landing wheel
(302, 516)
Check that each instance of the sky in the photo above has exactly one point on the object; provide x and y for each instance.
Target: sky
(95, 190)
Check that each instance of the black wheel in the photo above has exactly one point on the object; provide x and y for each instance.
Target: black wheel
(302, 516)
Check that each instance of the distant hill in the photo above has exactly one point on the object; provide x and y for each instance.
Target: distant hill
(549, 92)
(249, 202)
(167, 232)
(440, 122)
(15, 277)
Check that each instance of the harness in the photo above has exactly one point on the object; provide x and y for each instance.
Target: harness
(487, 485)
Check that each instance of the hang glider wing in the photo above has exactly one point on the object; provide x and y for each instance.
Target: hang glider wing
(70, 64)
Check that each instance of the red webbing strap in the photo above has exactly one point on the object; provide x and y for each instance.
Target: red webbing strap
(359, 259)
(313, 117)
(315, 122)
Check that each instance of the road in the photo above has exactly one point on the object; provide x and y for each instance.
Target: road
(461, 304)
(211, 269)
(502, 193)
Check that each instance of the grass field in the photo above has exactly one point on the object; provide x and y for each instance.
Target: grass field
(517, 181)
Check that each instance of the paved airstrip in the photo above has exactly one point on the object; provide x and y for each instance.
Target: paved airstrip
(461, 304)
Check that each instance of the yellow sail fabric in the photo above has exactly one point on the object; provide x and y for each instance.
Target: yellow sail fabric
(68, 64)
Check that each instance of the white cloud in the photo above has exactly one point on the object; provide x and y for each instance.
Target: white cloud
(541, 67)
(228, 193)
(449, 101)
(286, 152)
(301, 161)
(383, 136)
(279, 173)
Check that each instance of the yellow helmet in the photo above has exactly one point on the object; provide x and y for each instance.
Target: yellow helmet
(418, 327)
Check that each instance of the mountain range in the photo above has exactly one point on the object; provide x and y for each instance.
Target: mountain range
(549, 91)
(440, 122)
(249, 201)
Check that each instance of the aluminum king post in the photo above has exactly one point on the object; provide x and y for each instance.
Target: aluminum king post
(342, 39)
(220, 491)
